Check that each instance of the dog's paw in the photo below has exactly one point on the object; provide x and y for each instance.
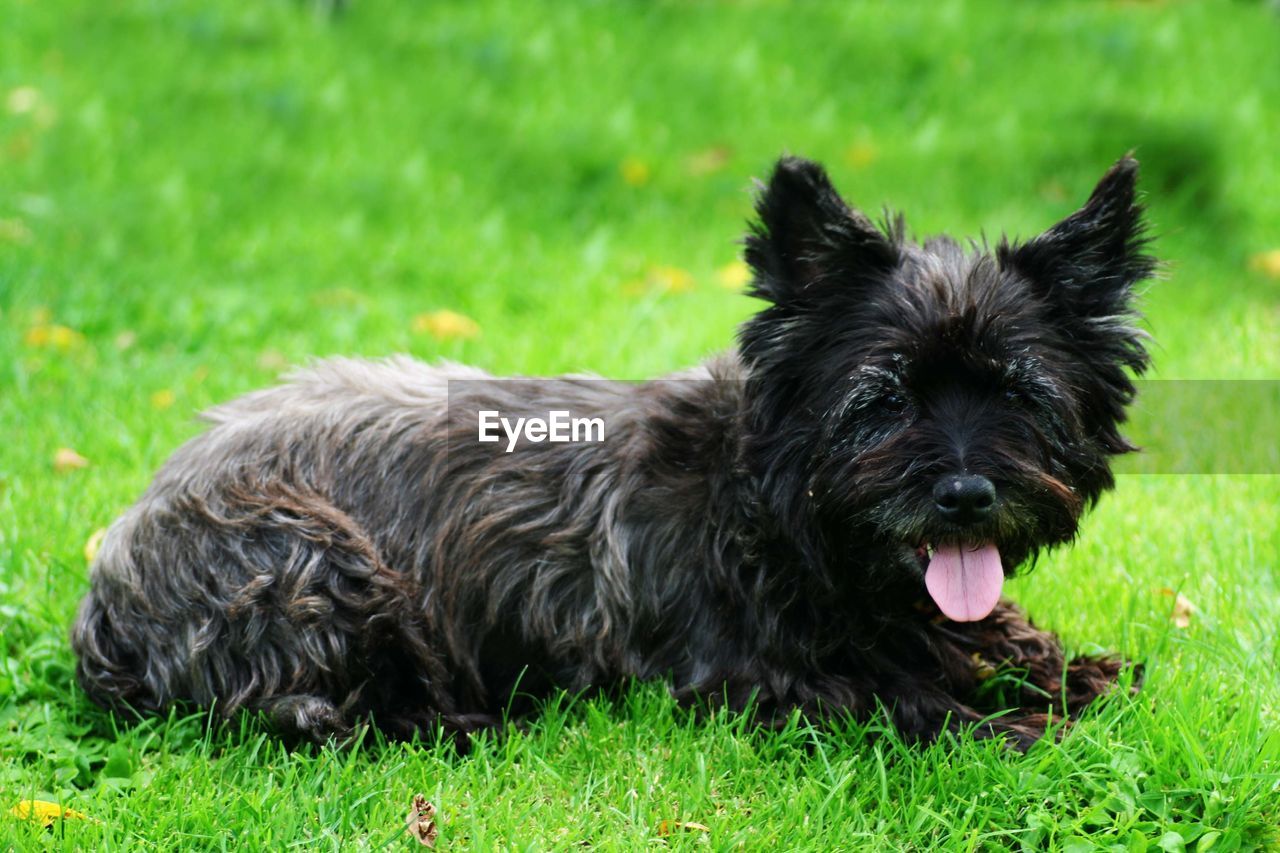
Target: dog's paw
(1091, 677)
(305, 717)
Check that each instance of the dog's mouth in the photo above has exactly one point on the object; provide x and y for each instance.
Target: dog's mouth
(963, 579)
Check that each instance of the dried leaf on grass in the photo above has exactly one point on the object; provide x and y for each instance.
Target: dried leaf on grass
(421, 821)
(708, 160)
(94, 544)
(22, 100)
(982, 668)
(1183, 609)
(273, 361)
(65, 459)
(670, 827)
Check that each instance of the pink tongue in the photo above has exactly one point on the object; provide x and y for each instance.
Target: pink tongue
(965, 580)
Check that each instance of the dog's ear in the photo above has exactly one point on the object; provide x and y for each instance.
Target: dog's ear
(1089, 262)
(807, 237)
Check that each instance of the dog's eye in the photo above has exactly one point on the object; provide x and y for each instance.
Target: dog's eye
(1012, 395)
(894, 403)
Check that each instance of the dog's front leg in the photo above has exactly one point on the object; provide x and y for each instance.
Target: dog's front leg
(1016, 666)
(916, 706)
(922, 713)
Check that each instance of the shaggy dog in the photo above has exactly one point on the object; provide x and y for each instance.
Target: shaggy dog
(821, 520)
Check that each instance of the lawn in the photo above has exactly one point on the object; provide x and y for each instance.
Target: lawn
(195, 195)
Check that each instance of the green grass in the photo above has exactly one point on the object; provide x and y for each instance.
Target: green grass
(202, 191)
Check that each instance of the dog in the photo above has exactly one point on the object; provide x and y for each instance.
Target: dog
(821, 520)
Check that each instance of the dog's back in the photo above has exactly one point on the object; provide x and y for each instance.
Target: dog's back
(342, 545)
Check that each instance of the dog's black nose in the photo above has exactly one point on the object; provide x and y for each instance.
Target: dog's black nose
(964, 498)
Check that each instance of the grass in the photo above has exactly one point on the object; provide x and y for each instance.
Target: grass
(193, 194)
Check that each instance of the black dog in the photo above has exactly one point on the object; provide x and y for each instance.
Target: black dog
(821, 520)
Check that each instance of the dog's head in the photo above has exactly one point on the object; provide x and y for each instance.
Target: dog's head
(937, 413)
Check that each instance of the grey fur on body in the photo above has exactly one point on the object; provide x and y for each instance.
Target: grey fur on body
(298, 551)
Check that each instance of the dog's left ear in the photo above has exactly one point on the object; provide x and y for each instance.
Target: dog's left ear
(1089, 262)
(808, 239)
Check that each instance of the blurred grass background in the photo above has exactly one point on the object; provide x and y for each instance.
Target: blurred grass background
(195, 195)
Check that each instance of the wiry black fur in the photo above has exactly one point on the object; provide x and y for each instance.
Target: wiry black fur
(342, 547)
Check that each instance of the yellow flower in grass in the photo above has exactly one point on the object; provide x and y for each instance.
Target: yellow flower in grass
(861, 154)
(671, 279)
(44, 812)
(1267, 263)
(54, 336)
(14, 231)
(446, 325)
(635, 172)
(660, 279)
(733, 275)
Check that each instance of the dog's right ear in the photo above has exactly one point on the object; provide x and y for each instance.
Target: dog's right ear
(1088, 265)
(807, 238)
(1089, 262)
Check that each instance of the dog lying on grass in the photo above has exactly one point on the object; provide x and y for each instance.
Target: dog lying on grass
(822, 519)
